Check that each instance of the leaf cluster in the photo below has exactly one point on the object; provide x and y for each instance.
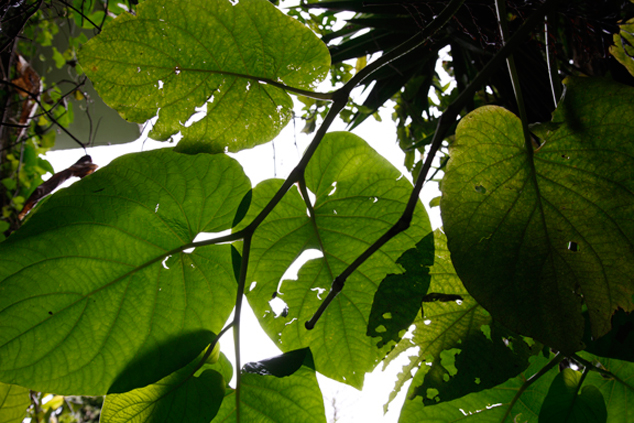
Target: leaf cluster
(519, 309)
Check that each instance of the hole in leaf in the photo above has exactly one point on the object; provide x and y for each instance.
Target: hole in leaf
(480, 189)
(279, 307)
(252, 286)
(573, 246)
(319, 291)
(387, 315)
(293, 269)
(200, 114)
(334, 188)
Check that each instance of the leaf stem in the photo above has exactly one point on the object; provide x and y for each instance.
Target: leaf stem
(444, 124)
(236, 317)
(552, 363)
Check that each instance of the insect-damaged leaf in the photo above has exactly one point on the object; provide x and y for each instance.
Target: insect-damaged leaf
(92, 300)
(359, 195)
(460, 349)
(554, 227)
(184, 57)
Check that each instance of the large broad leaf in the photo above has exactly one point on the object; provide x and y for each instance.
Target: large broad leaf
(568, 402)
(534, 234)
(179, 397)
(283, 398)
(460, 348)
(359, 195)
(94, 295)
(487, 406)
(187, 56)
(14, 401)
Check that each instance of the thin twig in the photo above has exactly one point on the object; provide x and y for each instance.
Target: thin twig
(444, 124)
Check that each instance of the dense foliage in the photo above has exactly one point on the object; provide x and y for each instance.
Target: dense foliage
(517, 310)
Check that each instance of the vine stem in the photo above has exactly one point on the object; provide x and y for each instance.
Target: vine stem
(552, 363)
(444, 124)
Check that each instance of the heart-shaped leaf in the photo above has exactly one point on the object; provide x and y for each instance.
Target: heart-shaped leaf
(185, 58)
(359, 196)
(568, 402)
(96, 294)
(533, 234)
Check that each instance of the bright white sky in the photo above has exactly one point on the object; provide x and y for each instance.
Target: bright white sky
(352, 406)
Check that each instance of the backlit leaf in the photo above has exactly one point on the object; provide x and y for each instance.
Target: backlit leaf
(488, 406)
(119, 307)
(359, 195)
(292, 398)
(460, 348)
(186, 57)
(552, 228)
(568, 402)
(14, 401)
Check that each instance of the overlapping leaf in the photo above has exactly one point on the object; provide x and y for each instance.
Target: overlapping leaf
(179, 397)
(359, 196)
(568, 402)
(283, 398)
(461, 350)
(183, 57)
(533, 234)
(487, 406)
(618, 391)
(14, 401)
(94, 295)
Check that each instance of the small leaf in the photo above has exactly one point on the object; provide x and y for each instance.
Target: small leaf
(282, 365)
(554, 228)
(565, 404)
(204, 58)
(623, 48)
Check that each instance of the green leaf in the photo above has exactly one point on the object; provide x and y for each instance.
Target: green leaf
(488, 406)
(623, 48)
(554, 226)
(564, 403)
(95, 296)
(359, 195)
(282, 365)
(179, 397)
(14, 400)
(291, 399)
(618, 343)
(399, 297)
(461, 348)
(184, 57)
(618, 390)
